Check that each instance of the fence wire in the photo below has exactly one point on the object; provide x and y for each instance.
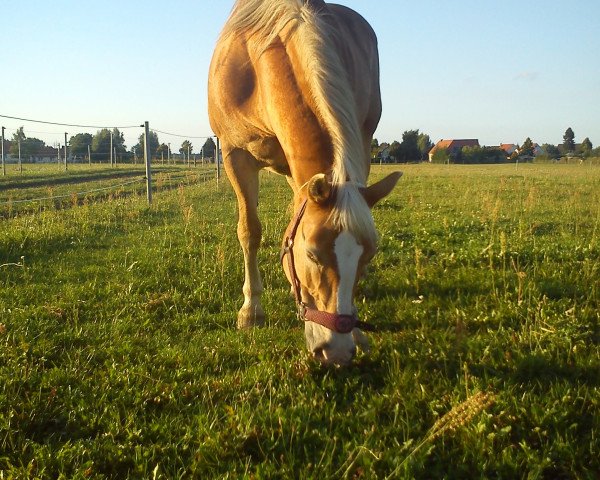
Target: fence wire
(70, 195)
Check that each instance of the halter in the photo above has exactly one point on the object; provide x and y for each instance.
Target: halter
(333, 321)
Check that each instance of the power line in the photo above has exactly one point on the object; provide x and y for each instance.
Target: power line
(64, 124)
(181, 136)
(192, 137)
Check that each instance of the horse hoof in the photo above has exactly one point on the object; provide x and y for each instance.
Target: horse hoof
(249, 318)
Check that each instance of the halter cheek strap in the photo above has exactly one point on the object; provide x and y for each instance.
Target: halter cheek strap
(333, 321)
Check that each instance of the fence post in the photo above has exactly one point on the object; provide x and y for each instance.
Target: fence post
(65, 151)
(147, 159)
(217, 160)
(3, 162)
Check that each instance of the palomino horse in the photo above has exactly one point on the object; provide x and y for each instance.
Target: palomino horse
(294, 88)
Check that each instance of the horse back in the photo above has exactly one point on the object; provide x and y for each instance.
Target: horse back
(263, 102)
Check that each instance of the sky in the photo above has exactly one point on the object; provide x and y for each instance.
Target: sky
(498, 71)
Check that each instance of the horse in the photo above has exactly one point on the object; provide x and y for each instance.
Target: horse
(294, 88)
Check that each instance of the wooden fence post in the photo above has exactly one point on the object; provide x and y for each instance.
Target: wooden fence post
(217, 161)
(147, 159)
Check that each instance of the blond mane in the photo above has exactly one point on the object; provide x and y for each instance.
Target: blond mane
(313, 31)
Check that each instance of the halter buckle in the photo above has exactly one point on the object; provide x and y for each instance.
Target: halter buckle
(301, 311)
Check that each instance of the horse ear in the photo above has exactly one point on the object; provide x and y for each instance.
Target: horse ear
(319, 188)
(381, 189)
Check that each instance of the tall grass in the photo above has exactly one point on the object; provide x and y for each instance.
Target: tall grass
(119, 355)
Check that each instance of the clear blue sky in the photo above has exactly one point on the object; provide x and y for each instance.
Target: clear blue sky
(499, 71)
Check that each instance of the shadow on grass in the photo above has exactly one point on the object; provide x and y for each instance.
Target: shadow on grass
(540, 370)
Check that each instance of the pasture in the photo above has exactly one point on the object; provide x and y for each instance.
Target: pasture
(119, 356)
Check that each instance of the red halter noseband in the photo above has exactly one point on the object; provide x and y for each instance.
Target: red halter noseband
(333, 321)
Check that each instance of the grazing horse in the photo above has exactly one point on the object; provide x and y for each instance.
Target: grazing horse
(294, 87)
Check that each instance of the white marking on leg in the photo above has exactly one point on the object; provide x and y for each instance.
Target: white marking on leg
(347, 252)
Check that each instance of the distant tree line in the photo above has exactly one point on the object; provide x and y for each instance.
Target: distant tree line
(415, 147)
(569, 148)
(99, 146)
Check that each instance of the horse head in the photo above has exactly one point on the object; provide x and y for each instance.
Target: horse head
(325, 260)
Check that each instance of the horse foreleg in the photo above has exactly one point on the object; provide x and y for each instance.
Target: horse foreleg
(242, 171)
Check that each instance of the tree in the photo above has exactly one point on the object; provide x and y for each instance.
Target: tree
(586, 147)
(186, 147)
(153, 146)
(209, 147)
(162, 150)
(101, 143)
(526, 149)
(441, 155)
(424, 143)
(409, 148)
(569, 140)
(29, 146)
(18, 136)
(78, 144)
(395, 150)
(476, 154)
(550, 151)
(374, 148)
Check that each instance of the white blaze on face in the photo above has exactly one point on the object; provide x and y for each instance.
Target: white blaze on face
(347, 252)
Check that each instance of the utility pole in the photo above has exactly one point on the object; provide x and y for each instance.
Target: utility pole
(20, 161)
(169, 155)
(111, 149)
(3, 162)
(148, 166)
(89, 156)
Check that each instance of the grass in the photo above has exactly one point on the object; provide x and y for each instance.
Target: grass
(47, 186)
(119, 355)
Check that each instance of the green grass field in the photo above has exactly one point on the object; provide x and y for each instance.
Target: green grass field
(53, 188)
(119, 356)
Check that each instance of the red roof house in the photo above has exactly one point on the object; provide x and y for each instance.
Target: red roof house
(453, 146)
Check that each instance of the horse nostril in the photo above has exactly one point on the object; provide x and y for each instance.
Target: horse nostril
(318, 354)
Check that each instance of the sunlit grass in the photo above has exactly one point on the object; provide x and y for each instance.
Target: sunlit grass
(119, 355)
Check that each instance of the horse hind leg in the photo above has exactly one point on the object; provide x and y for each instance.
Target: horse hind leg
(242, 170)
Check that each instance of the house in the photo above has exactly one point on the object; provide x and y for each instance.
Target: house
(509, 148)
(453, 147)
(382, 154)
(47, 154)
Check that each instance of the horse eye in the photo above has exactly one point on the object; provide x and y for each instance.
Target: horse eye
(312, 257)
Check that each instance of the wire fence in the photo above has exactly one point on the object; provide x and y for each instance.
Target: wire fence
(33, 169)
(106, 145)
(72, 194)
